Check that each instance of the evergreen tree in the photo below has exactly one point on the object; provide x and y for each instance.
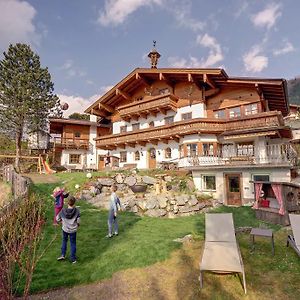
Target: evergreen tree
(26, 94)
(78, 116)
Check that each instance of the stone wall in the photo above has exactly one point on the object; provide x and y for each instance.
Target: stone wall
(171, 203)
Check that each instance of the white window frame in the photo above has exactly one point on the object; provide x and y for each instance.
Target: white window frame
(202, 182)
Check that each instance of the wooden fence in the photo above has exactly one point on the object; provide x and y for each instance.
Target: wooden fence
(19, 184)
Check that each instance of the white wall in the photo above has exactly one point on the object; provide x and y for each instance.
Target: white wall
(275, 174)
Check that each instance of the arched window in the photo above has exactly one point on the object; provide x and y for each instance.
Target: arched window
(168, 153)
(137, 155)
(151, 124)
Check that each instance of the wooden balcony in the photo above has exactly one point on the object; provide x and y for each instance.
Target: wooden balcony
(194, 126)
(274, 155)
(70, 143)
(152, 106)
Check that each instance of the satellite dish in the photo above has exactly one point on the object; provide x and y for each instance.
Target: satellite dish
(64, 106)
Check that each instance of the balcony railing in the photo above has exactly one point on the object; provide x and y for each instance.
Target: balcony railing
(193, 126)
(153, 105)
(70, 143)
(277, 154)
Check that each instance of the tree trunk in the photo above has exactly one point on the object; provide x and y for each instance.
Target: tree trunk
(18, 151)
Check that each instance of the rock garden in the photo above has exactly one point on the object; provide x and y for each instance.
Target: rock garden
(159, 196)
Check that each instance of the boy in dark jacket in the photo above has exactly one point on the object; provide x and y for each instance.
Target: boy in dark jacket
(70, 218)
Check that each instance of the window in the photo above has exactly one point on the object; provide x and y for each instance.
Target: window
(164, 91)
(186, 116)
(235, 112)
(137, 155)
(169, 120)
(245, 149)
(123, 128)
(261, 177)
(181, 151)
(77, 134)
(192, 149)
(135, 126)
(74, 159)
(209, 182)
(251, 109)
(151, 124)
(168, 153)
(123, 156)
(220, 114)
(208, 149)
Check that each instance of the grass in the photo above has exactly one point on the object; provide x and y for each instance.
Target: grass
(143, 241)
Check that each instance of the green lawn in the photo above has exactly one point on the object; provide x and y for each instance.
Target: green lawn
(143, 241)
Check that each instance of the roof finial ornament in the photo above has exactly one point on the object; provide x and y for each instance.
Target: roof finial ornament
(154, 56)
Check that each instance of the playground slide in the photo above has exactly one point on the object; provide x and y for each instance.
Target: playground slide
(47, 168)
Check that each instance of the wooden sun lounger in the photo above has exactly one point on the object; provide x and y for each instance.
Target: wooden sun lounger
(221, 252)
(294, 240)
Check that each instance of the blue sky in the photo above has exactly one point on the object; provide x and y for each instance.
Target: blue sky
(89, 46)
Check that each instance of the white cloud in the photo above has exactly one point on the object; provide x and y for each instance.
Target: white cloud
(182, 14)
(79, 104)
(215, 52)
(116, 11)
(242, 9)
(71, 70)
(179, 62)
(16, 23)
(254, 61)
(268, 16)
(287, 48)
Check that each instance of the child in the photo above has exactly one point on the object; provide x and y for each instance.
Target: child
(70, 218)
(58, 195)
(112, 213)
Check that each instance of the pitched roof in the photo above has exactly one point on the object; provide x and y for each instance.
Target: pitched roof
(274, 90)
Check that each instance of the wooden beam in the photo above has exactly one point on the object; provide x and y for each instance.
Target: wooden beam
(212, 92)
(143, 79)
(135, 117)
(123, 94)
(99, 113)
(208, 81)
(176, 139)
(163, 77)
(143, 115)
(132, 145)
(154, 142)
(106, 107)
(153, 113)
(142, 143)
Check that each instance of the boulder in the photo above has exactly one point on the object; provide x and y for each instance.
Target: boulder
(106, 181)
(162, 201)
(119, 178)
(193, 200)
(121, 187)
(187, 238)
(129, 201)
(180, 199)
(175, 209)
(149, 180)
(185, 209)
(190, 185)
(155, 213)
(134, 209)
(151, 203)
(86, 195)
(141, 204)
(130, 180)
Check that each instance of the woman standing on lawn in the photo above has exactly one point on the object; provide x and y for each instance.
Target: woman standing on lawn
(59, 195)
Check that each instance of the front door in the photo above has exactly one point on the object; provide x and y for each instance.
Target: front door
(233, 186)
(152, 158)
(101, 162)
